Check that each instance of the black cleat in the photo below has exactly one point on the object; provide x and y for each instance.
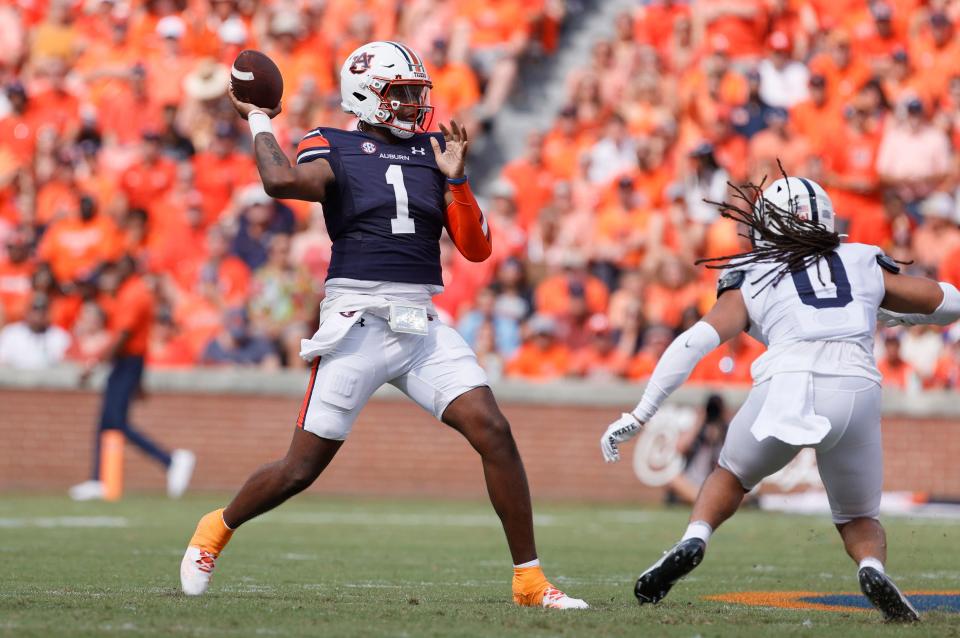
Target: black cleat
(655, 583)
(884, 595)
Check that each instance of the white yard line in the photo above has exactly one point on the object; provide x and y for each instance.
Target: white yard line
(65, 521)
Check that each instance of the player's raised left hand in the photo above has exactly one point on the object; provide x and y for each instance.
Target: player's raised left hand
(620, 431)
(452, 159)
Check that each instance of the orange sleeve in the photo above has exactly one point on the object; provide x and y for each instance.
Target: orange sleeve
(467, 224)
(312, 146)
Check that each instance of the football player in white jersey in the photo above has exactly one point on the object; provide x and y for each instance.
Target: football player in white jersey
(814, 302)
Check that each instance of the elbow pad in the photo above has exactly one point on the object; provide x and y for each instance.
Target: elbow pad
(676, 364)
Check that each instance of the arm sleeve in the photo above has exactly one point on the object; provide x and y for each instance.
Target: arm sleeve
(946, 313)
(467, 224)
(676, 364)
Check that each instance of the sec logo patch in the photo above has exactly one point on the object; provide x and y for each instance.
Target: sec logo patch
(368, 148)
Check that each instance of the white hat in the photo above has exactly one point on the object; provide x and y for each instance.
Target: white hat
(285, 22)
(938, 205)
(208, 80)
(542, 324)
(252, 195)
(171, 27)
(232, 31)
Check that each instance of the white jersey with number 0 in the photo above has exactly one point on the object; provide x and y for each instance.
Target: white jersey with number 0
(821, 323)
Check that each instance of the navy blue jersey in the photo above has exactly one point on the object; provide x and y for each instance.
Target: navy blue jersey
(386, 210)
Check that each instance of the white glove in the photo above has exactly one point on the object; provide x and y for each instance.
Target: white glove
(892, 319)
(621, 430)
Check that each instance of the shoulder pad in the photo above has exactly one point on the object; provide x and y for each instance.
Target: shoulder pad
(888, 264)
(731, 280)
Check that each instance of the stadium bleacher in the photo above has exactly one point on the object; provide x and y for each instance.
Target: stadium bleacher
(117, 137)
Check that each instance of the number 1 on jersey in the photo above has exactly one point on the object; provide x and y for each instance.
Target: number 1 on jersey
(402, 224)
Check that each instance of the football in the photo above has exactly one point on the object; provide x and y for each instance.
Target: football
(255, 79)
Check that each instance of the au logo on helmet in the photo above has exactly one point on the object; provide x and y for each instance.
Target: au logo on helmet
(360, 63)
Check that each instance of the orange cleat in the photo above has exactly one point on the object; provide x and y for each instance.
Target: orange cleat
(532, 589)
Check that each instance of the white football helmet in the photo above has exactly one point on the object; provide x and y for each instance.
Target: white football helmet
(804, 198)
(385, 84)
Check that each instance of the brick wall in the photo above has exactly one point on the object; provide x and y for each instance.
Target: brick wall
(395, 448)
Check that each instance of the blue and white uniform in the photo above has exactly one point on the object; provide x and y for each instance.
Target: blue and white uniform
(385, 214)
(817, 385)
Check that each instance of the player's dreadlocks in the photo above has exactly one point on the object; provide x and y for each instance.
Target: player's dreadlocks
(778, 236)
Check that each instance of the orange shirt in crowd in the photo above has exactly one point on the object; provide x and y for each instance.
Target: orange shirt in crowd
(73, 247)
(175, 352)
(64, 310)
(897, 375)
(641, 366)
(231, 278)
(818, 124)
(199, 320)
(455, 89)
(561, 153)
(842, 83)
(15, 290)
(533, 188)
(872, 227)
(743, 27)
(729, 365)
(853, 156)
(947, 372)
(56, 109)
(493, 23)
(144, 184)
(767, 147)
(615, 227)
(834, 13)
(18, 135)
(56, 200)
(302, 65)
(131, 311)
(653, 23)
(936, 65)
(218, 177)
(590, 363)
(536, 364)
(666, 305)
(552, 296)
(950, 268)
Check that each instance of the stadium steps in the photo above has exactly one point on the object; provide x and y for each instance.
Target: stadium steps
(540, 89)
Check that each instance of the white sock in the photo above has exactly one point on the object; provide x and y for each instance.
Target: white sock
(532, 563)
(698, 529)
(870, 561)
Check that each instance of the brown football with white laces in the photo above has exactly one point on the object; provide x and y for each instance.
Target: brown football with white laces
(255, 79)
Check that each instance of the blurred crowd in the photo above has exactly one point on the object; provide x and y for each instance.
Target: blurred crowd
(600, 221)
(116, 138)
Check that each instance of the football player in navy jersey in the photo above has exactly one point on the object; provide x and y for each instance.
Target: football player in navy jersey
(388, 189)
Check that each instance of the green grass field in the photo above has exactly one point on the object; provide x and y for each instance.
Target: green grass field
(337, 567)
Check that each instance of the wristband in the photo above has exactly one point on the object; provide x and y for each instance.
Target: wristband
(456, 181)
(259, 123)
